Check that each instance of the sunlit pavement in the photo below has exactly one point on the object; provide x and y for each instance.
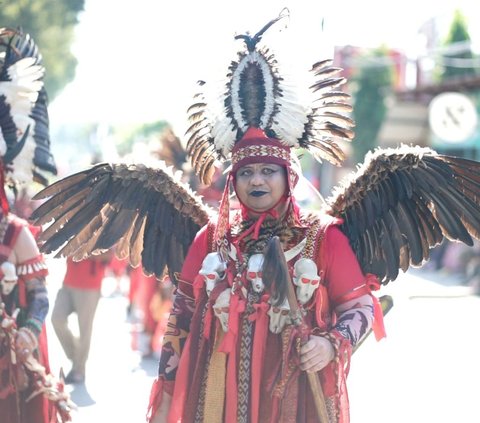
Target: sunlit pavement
(426, 370)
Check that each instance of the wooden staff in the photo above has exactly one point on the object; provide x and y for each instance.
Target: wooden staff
(273, 273)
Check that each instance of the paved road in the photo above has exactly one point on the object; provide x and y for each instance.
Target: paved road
(118, 379)
(426, 370)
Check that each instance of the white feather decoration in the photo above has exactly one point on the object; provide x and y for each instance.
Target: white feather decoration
(224, 135)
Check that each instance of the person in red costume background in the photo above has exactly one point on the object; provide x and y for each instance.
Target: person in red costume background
(23, 295)
(28, 392)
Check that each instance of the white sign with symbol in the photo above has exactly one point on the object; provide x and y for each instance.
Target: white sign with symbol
(452, 117)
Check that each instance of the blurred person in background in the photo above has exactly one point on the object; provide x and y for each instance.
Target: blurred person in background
(117, 268)
(80, 293)
(471, 261)
(160, 307)
(150, 303)
(142, 289)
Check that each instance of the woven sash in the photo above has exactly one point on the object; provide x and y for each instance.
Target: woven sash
(215, 389)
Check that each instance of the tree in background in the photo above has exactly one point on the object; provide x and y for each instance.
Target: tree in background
(51, 23)
(455, 64)
(373, 82)
(128, 136)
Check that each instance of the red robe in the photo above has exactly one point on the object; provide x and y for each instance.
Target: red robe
(278, 391)
(37, 410)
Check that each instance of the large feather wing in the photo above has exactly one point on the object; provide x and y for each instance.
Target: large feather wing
(402, 202)
(148, 214)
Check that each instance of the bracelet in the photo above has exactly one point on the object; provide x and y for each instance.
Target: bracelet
(33, 326)
(31, 335)
(338, 341)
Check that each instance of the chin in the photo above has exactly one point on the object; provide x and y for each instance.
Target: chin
(260, 209)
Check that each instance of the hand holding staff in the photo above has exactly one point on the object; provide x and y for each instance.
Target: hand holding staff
(276, 275)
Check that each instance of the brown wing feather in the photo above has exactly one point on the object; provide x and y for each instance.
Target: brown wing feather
(136, 241)
(146, 213)
(402, 202)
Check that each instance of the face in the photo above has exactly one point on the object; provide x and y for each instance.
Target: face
(260, 186)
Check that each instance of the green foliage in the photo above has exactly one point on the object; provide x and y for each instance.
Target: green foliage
(128, 136)
(373, 82)
(51, 23)
(458, 33)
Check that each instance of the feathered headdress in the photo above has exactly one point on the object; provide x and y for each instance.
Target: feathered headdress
(24, 138)
(258, 96)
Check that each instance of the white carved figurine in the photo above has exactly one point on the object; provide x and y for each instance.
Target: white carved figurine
(9, 277)
(305, 277)
(213, 270)
(221, 308)
(254, 272)
(279, 316)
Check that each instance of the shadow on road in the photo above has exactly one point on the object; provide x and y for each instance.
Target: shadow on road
(81, 397)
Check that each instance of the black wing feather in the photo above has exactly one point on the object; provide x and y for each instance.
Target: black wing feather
(402, 202)
(147, 214)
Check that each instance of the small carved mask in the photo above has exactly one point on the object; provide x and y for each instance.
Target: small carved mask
(213, 270)
(221, 308)
(254, 272)
(279, 317)
(9, 277)
(305, 277)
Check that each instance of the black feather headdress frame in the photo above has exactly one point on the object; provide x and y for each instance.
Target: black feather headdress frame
(259, 94)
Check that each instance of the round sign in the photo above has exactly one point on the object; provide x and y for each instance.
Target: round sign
(452, 117)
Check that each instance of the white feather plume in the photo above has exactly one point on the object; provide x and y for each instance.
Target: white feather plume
(21, 93)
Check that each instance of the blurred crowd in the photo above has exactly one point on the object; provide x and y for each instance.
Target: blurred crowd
(459, 260)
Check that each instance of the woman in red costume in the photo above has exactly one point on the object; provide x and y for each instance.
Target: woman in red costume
(246, 364)
(231, 353)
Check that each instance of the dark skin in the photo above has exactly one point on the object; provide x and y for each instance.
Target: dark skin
(261, 186)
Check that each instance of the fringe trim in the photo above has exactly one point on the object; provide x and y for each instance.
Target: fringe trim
(32, 268)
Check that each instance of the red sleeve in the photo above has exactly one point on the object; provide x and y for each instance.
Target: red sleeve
(342, 271)
(194, 259)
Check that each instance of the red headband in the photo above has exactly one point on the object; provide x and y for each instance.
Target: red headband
(256, 147)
